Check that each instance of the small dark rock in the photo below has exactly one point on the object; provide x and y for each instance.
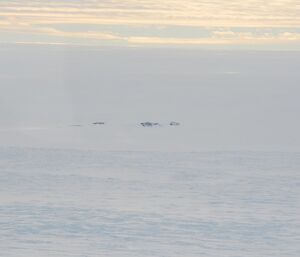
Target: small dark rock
(99, 123)
(149, 124)
(174, 123)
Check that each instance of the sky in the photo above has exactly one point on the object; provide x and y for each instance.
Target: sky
(255, 24)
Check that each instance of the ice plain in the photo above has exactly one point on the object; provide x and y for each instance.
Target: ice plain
(88, 203)
(224, 183)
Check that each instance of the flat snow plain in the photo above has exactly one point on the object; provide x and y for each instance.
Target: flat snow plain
(224, 183)
(88, 203)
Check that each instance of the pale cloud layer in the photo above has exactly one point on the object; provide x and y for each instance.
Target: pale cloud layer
(140, 22)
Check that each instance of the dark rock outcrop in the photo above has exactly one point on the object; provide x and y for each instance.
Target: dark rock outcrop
(149, 124)
(99, 123)
(174, 123)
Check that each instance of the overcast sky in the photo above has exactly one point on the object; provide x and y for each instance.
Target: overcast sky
(257, 24)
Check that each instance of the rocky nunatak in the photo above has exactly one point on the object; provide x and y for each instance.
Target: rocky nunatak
(149, 124)
(99, 123)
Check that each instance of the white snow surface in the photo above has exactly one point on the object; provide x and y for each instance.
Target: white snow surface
(224, 183)
(88, 203)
